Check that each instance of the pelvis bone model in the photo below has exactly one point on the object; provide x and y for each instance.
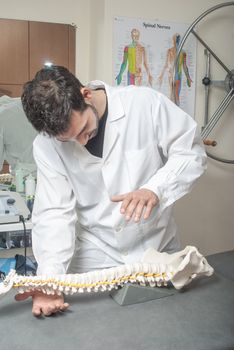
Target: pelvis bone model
(155, 270)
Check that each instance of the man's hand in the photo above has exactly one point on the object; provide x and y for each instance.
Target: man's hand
(137, 204)
(44, 304)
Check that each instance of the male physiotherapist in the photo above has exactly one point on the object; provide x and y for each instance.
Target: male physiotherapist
(111, 163)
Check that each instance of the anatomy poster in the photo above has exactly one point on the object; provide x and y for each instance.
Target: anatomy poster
(144, 53)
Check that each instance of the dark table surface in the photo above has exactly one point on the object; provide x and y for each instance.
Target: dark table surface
(199, 318)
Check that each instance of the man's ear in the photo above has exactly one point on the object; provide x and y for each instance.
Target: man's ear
(87, 93)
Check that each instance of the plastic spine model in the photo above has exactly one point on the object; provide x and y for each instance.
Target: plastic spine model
(155, 269)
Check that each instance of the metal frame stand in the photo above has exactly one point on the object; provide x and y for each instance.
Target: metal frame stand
(228, 82)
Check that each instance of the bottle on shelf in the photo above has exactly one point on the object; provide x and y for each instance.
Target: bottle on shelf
(30, 185)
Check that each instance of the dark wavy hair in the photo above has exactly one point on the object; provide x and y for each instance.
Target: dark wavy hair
(48, 99)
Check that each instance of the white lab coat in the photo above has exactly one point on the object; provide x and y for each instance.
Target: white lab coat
(149, 143)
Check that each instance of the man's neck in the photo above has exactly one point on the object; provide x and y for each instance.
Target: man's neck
(99, 101)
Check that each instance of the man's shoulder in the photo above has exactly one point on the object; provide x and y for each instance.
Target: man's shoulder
(136, 92)
(45, 150)
(130, 90)
(42, 140)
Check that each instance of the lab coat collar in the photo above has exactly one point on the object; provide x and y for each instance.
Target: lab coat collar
(115, 107)
(115, 113)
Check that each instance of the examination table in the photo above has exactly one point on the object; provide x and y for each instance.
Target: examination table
(199, 318)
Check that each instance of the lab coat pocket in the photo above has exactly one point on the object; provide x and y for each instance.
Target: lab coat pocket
(151, 228)
(128, 236)
(135, 236)
(142, 164)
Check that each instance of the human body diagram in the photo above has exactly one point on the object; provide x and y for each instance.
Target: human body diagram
(134, 57)
(180, 68)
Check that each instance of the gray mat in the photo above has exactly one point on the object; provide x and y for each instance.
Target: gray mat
(199, 318)
(223, 263)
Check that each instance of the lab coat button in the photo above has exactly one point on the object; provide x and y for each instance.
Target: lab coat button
(125, 252)
(119, 229)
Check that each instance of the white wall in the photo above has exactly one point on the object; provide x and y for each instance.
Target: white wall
(206, 216)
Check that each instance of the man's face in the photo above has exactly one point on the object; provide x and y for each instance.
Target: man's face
(83, 126)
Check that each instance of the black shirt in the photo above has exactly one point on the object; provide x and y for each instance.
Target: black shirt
(95, 145)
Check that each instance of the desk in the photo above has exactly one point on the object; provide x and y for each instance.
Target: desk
(15, 229)
(16, 226)
(199, 318)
